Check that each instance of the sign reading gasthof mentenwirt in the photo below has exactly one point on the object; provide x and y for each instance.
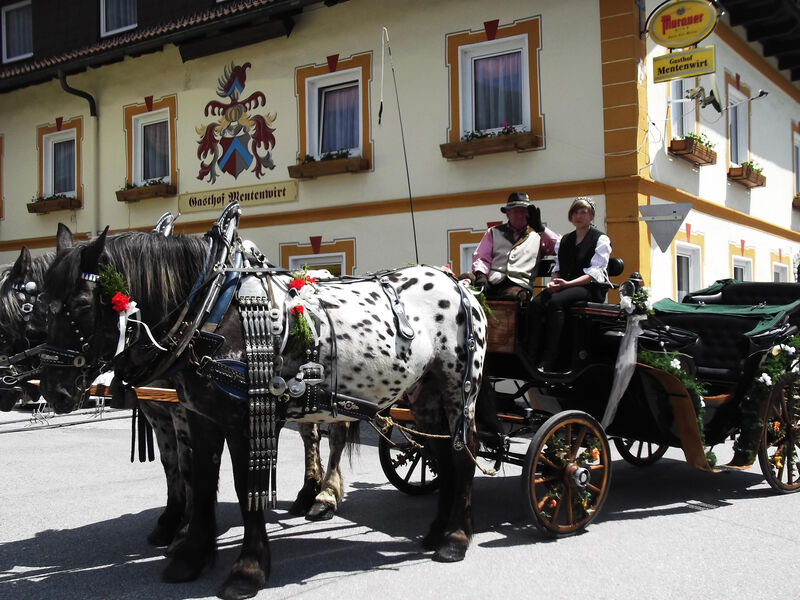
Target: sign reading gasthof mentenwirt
(689, 63)
(682, 23)
(254, 195)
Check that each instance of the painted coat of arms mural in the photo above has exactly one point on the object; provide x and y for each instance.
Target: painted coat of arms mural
(237, 141)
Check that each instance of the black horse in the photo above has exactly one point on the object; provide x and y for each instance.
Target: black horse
(23, 329)
(437, 365)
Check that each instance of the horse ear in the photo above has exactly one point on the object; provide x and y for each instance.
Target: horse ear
(64, 239)
(21, 266)
(90, 257)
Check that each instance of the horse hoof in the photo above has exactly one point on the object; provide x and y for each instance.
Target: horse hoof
(451, 551)
(433, 539)
(180, 569)
(245, 580)
(160, 536)
(305, 499)
(320, 511)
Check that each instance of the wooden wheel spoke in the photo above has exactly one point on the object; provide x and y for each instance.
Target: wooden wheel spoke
(548, 462)
(576, 445)
(593, 487)
(599, 467)
(568, 500)
(412, 467)
(543, 480)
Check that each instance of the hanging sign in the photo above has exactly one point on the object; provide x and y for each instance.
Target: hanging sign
(689, 63)
(682, 23)
(254, 195)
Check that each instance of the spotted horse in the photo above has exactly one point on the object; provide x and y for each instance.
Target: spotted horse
(364, 344)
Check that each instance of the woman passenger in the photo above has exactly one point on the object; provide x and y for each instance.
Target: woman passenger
(579, 274)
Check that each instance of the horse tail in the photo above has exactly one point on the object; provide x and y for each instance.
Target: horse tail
(352, 440)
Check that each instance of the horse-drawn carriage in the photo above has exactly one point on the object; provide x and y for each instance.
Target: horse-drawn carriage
(722, 364)
(250, 346)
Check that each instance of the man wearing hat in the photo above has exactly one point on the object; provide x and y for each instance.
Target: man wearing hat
(506, 258)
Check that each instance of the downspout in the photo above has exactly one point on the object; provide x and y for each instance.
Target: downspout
(95, 135)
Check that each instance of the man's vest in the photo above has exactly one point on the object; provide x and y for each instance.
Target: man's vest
(515, 260)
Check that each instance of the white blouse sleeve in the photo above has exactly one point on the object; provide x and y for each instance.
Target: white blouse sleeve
(598, 267)
(555, 259)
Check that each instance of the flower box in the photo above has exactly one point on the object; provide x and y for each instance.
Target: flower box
(796, 202)
(746, 177)
(135, 194)
(693, 151)
(520, 142)
(351, 164)
(52, 204)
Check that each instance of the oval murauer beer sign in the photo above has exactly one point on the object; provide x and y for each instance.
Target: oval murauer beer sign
(682, 23)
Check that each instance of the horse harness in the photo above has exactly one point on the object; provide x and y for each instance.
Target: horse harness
(237, 269)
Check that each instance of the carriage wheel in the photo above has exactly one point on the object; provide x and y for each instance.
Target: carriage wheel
(638, 453)
(779, 452)
(406, 464)
(567, 473)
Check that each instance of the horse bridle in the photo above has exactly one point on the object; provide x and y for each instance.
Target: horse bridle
(91, 352)
(26, 293)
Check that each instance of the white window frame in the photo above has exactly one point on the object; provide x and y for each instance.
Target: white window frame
(7, 9)
(738, 119)
(781, 270)
(48, 143)
(465, 252)
(467, 54)
(104, 31)
(796, 160)
(692, 252)
(313, 261)
(678, 114)
(744, 263)
(313, 87)
(137, 162)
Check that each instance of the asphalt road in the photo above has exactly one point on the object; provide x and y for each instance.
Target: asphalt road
(74, 514)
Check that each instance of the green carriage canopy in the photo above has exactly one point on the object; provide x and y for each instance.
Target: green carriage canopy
(765, 317)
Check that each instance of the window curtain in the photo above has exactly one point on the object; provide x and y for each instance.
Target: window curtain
(155, 159)
(498, 91)
(733, 133)
(64, 167)
(19, 31)
(339, 119)
(120, 13)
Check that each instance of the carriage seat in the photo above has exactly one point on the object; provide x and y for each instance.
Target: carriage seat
(726, 334)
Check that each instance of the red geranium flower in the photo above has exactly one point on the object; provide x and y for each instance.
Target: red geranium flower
(297, 309)
(119, 302)
(297, 283)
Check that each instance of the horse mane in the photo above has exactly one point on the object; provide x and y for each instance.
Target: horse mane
(160, 270)
(11, 316)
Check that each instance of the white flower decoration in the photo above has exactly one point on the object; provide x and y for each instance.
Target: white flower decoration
(675, 363)
(766, 379)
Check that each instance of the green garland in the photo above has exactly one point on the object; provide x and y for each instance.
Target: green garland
(112, 281)
(668, 361)
(782, 359)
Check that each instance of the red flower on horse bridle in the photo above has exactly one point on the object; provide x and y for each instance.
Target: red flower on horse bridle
(120, 302)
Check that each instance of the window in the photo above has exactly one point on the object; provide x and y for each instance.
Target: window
(678, 109)
(494, 87)
(466, 251)
(687, 269)
(780, 272)
(742, 269)
(117, 16)
(17, 31)
(494, 78)
(334, 113)
(738, 126)
(150, 138)
(60, 158)
(796, 157)
(333, 262)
